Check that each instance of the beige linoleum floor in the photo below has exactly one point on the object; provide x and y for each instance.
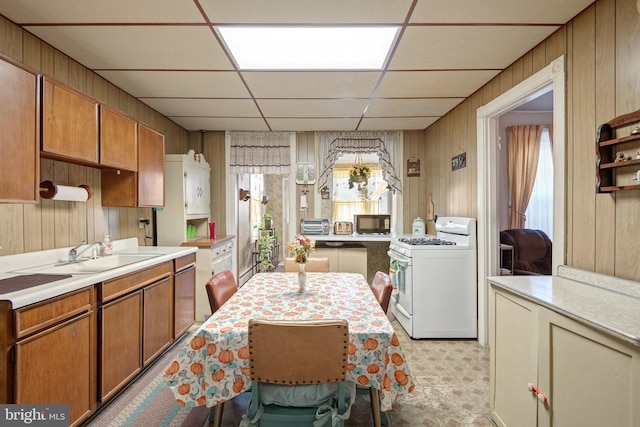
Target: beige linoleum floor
(452, 387)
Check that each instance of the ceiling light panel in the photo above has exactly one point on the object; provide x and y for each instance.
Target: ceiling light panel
(309, 48)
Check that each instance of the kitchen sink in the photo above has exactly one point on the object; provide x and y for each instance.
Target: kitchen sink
(87, 265)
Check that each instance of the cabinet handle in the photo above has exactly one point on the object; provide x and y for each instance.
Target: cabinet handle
(537, 393)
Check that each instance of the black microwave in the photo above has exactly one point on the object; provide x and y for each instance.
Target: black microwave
(372, 224)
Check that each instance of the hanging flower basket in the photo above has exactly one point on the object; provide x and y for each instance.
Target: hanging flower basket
(359, 174)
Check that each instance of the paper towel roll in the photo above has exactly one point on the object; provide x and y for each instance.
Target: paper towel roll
(49, 190)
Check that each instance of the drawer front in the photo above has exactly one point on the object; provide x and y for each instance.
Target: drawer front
(117, 287)
(39, 316)
(222, 250)
(185, 261)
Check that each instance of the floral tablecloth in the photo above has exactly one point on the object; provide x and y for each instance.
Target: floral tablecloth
(213, 366)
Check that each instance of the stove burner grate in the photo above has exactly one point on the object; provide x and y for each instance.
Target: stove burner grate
(419, 241)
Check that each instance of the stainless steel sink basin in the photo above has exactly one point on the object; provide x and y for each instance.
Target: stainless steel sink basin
(86, 265)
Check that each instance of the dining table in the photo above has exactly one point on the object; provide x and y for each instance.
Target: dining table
(213, 365)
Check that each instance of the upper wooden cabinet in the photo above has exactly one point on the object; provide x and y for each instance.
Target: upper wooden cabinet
(20, 124)
(69, 124)
(144, 188)
(118, 140)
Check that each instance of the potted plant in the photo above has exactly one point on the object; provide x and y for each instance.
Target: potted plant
(265, 246)
(267, 220)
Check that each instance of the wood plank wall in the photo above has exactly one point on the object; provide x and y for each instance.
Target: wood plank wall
(601, 47)
(55, 224)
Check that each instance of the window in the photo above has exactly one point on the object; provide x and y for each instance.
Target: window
(373, 198)
(539, 214)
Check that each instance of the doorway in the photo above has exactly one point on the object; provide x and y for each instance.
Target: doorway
(550, 78)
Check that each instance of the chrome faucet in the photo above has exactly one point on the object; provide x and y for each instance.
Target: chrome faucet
(74, 254)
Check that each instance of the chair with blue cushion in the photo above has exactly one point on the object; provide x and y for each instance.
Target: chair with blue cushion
(298, 372)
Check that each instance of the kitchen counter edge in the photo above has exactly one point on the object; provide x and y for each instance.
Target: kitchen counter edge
(44, 292)
(589, 298)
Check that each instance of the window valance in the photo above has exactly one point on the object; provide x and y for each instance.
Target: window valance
(260, 152)
(381, 143)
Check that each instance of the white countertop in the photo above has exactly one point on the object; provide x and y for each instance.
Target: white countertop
(39, 293)
(351, 237)
(604, 302)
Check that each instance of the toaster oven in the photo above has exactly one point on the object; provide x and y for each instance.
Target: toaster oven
(314, 226)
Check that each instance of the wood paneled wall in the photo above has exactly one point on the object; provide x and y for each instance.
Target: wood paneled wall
(55, 224)
(601, 47)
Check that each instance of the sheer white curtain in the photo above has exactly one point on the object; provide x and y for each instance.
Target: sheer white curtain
(387, 145)
(539, 213)
(260, 152)
(346, 201)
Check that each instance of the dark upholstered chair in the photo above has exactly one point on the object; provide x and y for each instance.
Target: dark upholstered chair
(382, 287)
(531, 251)
(220, 288)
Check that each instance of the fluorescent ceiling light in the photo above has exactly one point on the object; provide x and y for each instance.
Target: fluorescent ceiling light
(308, 48)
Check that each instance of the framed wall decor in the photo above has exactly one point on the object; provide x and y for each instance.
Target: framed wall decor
(413, 166)
(459, 161)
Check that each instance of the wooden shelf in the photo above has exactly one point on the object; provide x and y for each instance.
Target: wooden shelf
(606, 143)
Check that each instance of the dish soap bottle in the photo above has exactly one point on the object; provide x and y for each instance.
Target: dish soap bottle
(107, 246)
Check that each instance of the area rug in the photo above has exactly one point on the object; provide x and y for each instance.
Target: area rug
(148, 402)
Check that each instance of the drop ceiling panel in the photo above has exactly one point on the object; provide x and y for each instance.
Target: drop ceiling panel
(74, 11)
(204, 107)
(345, 124)
(409, 84)
(411, 107)
(399, 123)
(311, 108)
(221, 123)
(138, 47)
(311, 84)
(306, 11)
(466, 47)
(498, 11)
(180, 84)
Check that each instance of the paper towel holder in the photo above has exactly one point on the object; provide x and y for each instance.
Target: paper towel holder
(49, 190)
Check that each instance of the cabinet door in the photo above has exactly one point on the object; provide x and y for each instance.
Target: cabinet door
(57, 366)
(69, 124)
(590, 378)
(20, 124)
(332, 254)
(121, 343)
(118, 140)
(514, 358)
(353, 260)
(150, 167)
(158, 318)
(197, 191)
(184, 298)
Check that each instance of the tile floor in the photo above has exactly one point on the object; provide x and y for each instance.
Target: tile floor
(452, 388)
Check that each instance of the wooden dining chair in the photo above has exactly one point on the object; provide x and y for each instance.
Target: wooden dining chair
(382, 287)
(298, 369)
(220, 287)
(314, 264)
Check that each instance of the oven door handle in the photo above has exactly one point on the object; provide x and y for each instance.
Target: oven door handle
(400, 259)
(402, 310)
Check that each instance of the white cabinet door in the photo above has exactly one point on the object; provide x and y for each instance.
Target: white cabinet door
(514, 360)
(197, 191)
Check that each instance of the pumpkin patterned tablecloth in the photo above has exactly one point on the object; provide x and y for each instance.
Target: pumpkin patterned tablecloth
(213, 366)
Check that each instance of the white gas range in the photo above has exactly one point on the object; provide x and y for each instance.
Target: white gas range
(436, 280)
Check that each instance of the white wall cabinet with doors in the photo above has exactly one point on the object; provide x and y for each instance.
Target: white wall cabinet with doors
(187, 200)
(563, 353)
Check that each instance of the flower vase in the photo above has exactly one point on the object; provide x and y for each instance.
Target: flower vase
(302, 278)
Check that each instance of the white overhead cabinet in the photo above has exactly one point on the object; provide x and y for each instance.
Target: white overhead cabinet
(187, 209)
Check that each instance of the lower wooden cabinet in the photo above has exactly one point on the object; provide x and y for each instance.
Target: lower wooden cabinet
(157, 320)
(121, 343)
(550, 370)
(184, 299)
(55, 359)
(350, 258)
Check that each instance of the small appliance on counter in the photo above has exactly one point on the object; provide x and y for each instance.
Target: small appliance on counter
(314, 226)
(343, 227)
(372, 224)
